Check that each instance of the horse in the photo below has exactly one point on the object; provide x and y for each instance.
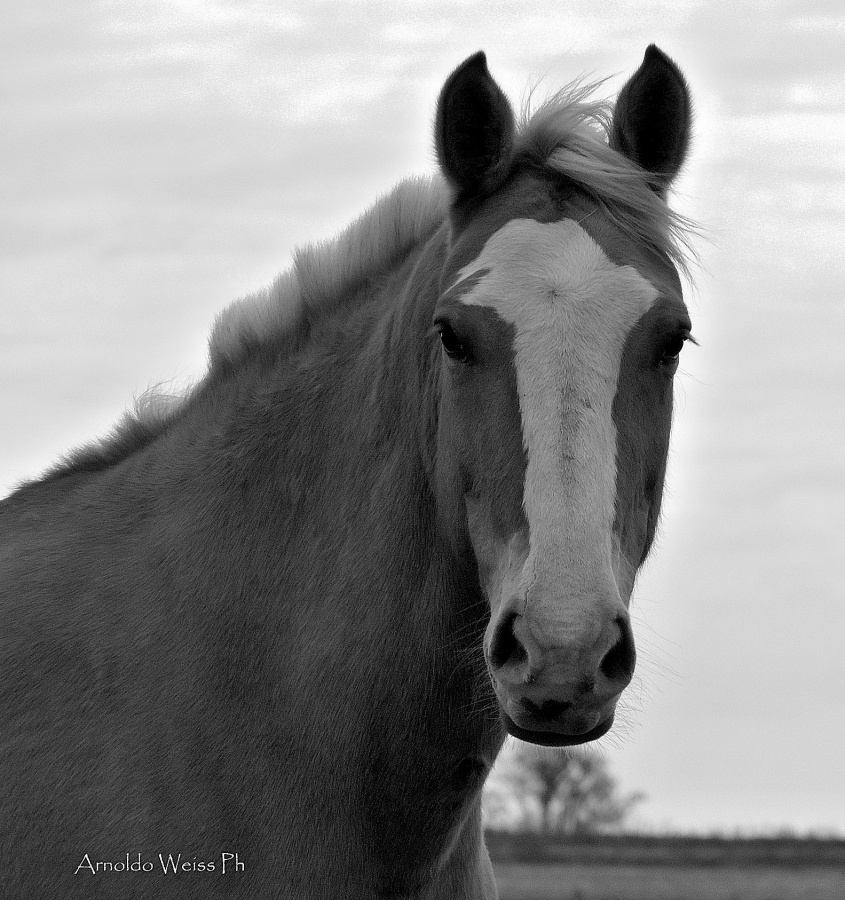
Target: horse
(268, 640)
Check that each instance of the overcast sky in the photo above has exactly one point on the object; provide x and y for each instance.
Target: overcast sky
(159, 159)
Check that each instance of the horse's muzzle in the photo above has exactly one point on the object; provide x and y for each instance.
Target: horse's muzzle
(565, 692)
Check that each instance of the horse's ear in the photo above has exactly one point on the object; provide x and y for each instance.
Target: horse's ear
(474, 130)
(653, 118)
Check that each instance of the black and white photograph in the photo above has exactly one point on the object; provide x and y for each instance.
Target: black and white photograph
(422, 451)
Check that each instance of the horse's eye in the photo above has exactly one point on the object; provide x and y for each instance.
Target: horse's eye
(452, 344)
(672, 349)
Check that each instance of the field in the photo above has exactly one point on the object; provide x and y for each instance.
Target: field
(655, 868)
(541, 881)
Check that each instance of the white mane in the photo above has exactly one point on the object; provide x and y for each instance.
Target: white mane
(323, 274)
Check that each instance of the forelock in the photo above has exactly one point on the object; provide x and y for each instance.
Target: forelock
(569, 134)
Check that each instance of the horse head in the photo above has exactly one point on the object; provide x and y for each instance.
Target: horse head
(560, 319)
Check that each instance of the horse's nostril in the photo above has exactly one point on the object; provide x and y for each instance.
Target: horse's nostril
(618, 663)
(505, 647)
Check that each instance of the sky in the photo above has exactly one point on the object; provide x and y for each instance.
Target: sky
(159, 159)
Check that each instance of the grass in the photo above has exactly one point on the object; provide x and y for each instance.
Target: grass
(573, 881)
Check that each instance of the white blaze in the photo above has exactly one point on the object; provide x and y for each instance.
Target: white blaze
(572, 310)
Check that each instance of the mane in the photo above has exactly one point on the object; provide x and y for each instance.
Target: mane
(568, 133)
(326, 273)
(322, 276)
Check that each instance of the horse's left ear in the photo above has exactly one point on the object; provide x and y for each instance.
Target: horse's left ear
(474, 130)
(653, 118)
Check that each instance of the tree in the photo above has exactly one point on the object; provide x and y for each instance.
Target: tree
(558, 792)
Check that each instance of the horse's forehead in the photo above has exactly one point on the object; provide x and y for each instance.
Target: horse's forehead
(571, 310)
(553, 279)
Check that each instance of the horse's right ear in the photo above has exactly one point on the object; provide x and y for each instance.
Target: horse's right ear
(474, 130)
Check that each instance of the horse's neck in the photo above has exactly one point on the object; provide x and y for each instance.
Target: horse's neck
(375, 625)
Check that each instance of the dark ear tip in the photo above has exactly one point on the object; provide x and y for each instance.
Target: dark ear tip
(654, 56)
(654, 53)
(473, 67)
(477, 61)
